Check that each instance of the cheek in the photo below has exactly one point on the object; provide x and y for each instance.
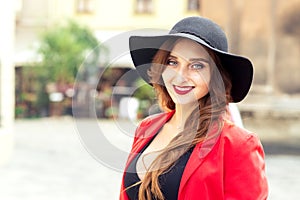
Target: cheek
(167, 75)
(202, 79)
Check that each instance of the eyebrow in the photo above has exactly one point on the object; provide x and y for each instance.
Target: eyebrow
(193, 59)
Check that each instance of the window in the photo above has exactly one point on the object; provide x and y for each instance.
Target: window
(193, 5)
(84, 6)
(144, 6)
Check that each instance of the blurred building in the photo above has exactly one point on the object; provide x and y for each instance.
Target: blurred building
(252, 26)
(106, 18)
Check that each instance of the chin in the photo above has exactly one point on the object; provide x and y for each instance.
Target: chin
(183, 101)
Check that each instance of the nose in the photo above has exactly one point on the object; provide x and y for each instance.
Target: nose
(181, 74)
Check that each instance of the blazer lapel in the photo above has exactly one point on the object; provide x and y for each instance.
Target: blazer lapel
(197, 157)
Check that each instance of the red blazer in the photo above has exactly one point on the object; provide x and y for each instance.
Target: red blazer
(230, 166)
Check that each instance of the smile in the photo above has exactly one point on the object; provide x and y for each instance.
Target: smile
(182, 90)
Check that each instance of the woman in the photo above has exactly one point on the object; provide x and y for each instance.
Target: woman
(191, 151)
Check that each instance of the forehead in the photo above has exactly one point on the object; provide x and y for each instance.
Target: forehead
(187, 49)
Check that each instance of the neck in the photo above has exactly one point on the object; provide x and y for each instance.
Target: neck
(183, 111)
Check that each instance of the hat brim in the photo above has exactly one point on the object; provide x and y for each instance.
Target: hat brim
(240, 69)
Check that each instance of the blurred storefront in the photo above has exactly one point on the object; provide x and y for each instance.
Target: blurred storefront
(253, 27)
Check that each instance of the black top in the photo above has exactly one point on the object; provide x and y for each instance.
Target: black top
(169, 181)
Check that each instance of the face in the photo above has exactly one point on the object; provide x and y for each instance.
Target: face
(187, 73)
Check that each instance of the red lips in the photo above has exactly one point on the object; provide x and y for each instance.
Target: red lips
(182, 90)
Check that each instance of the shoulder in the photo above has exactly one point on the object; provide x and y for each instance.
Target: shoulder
(148, 121)
(152, 118)
(243, 163)
(153, 122)
(237, 138)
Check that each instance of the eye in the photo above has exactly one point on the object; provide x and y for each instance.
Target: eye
(171, 62)
(197, 66)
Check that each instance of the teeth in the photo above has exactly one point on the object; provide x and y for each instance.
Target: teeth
(183, 88)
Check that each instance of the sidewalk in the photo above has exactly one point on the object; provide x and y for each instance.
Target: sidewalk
(276, 119)
(284, 106)
(50, 162)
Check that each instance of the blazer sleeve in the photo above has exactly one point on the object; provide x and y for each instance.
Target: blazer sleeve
(245, 176)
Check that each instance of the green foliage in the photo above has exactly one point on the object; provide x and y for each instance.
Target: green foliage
(144, 91)
(146, 95)
(31, 95)
(63, 49)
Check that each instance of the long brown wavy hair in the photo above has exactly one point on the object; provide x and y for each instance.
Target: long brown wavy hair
(207, 115)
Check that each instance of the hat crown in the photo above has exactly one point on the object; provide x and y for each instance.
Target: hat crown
(204, 29)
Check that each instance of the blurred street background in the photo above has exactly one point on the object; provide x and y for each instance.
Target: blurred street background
(66, 60)
(50, 162)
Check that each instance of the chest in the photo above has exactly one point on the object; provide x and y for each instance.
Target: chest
(153, 149)
(169, 181)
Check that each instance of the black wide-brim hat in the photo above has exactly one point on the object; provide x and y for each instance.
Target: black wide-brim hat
(205, 32)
